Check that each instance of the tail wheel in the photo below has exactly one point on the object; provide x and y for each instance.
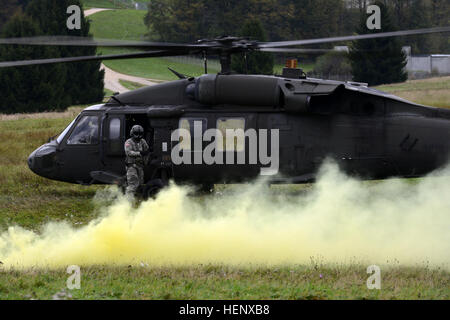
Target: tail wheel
(152, 188)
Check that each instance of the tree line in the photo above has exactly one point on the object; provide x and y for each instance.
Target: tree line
(190, 20)
(375, 61)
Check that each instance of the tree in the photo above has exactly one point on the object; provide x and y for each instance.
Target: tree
(378, 61)
(158, 19)
(31, 88)
(257, 62)
(333, 63)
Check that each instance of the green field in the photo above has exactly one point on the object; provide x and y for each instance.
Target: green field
(152, 68)
(127, 24)
(433, 92)
(29, 201)
(130, 85)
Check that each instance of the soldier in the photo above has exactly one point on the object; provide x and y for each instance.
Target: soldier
(136, 150)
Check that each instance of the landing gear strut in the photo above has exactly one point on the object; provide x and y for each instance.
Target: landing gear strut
(152, 188)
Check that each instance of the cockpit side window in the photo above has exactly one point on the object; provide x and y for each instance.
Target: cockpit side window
(63, 134)
(85, 132)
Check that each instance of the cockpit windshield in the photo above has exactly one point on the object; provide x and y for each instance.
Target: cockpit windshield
(85, 132)
(63, 134)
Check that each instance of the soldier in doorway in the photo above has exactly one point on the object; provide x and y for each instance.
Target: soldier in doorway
(137, 152)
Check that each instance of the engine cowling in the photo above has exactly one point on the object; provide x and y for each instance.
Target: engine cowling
(263, 91)
(237, 89)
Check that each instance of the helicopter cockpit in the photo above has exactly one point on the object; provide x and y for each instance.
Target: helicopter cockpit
(92, 142)
(76, 147)
(85, 132)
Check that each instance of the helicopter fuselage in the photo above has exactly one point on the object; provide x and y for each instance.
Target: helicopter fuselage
(289, 126)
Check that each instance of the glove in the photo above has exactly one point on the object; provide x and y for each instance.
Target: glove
(145, 153)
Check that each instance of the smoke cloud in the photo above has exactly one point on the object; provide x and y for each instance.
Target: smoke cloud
(337, 220)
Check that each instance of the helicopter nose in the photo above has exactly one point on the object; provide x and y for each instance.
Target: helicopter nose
(42, 160)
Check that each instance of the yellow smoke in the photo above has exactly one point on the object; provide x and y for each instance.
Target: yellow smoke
(339, 219)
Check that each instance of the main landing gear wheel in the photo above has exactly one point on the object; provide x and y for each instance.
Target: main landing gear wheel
(152, 188)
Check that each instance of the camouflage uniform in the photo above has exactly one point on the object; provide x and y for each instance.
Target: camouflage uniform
(135, 164)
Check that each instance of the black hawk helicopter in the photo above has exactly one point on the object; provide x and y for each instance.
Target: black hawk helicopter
(369, 133)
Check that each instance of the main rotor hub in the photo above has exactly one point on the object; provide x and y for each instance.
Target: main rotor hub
(227, 45)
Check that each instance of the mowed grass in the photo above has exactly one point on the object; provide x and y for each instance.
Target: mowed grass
(130, 85)
(152, 68)
(127, 24)
(433, 92)
(109, 4)
(29, 201)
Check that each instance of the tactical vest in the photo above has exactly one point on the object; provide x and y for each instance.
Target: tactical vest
(136, 147)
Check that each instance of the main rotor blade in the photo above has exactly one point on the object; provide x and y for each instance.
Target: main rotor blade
(89, 42)
(351, 38)
(147, 54)
(295, 50)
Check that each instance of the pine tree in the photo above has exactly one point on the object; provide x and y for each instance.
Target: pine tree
(257, 62)
(31, 88)
(378, 61)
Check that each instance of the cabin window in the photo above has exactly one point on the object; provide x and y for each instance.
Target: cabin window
(85, 132)
(114, 128)
(189, 125)
(236, 139)
(115, 143)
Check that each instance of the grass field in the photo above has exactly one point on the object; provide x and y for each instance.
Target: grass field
(29, 201)
(130, 85)
(216, 282)
(434, 92)
(127, 24)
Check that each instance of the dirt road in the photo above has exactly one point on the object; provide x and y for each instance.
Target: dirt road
(112, 77)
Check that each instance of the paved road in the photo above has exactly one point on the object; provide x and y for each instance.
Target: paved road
(112, 77)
